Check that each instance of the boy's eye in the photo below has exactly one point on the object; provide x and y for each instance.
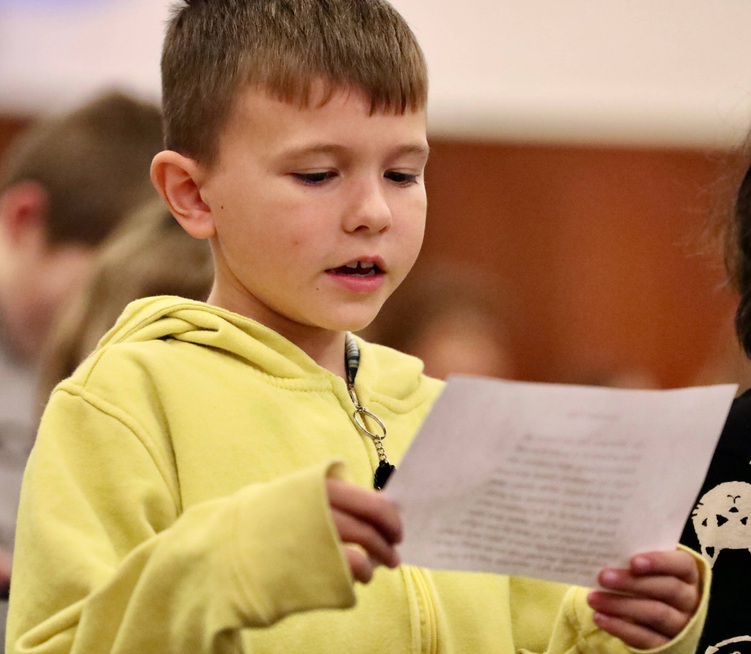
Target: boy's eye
(401, 178)
(315, 178)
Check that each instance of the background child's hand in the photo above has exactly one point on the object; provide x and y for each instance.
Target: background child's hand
(5, 566)
(661, 596)
(366, 518)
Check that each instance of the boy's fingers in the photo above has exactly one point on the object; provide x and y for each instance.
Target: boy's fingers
(634, 635)
(354, 531)
(674, 592)
(366, 505)
(670, 577)
(656, 616)
(362, 567)
(5, 565)
(5, 568)
(662, 593)
(675, 564)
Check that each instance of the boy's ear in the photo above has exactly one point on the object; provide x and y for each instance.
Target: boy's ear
(23, 214)
(178, 180)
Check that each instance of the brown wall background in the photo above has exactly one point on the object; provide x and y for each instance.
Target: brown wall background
(598, 254)
(595, 255)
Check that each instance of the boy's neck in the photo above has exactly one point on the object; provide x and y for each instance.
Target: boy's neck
(327, 350)
(324, 346)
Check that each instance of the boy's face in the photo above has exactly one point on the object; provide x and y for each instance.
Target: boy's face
(318, 213)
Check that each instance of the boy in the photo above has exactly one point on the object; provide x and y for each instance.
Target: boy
(215, 494)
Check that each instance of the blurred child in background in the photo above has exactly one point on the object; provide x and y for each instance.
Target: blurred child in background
(445, 315)
(65, 184)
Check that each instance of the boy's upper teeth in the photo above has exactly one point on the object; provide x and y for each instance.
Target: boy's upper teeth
(360, 264)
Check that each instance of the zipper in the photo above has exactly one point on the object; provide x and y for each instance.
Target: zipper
(361, 416)
(426, 610)
(370, 425)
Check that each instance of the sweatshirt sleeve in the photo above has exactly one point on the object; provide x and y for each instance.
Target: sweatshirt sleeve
(106, 561)
(574, 629)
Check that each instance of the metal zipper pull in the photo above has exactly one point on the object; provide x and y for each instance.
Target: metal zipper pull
(361, 415)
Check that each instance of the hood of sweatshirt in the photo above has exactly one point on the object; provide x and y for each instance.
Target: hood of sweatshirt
(385, 372)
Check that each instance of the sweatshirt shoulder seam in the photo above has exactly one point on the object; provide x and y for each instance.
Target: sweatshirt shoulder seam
(132, 424)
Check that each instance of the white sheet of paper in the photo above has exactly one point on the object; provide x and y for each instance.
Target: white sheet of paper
(553, 481)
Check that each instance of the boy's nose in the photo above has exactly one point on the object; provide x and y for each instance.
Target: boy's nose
(369, 209)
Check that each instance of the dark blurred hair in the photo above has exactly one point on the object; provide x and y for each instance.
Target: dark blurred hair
(738, 255)
(93, 163)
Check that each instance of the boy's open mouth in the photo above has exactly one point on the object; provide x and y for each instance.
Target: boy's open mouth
(359, 269)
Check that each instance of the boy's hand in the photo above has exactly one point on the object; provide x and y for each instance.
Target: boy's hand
(366, 518)
(5, 566)
(661, 595)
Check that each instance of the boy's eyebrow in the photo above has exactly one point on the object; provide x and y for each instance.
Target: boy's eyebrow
(421, 149)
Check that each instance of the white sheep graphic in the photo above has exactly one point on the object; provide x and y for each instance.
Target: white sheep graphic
(722, 519)
(739, 645)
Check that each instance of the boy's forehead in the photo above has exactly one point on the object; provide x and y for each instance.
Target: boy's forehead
(318, 93)
(264, 128)
(256, 103)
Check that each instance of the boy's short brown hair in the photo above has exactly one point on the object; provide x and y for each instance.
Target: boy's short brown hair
(215, 47)
(92, 162)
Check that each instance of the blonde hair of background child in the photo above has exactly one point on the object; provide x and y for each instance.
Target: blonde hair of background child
(149, 254)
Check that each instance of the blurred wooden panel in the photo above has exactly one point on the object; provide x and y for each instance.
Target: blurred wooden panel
(597, 253)
(9, 127)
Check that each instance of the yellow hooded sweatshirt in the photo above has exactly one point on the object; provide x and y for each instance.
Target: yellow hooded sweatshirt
(175, 503)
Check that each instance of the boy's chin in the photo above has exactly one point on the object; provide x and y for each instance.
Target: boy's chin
(354, 323)
(354, 326)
